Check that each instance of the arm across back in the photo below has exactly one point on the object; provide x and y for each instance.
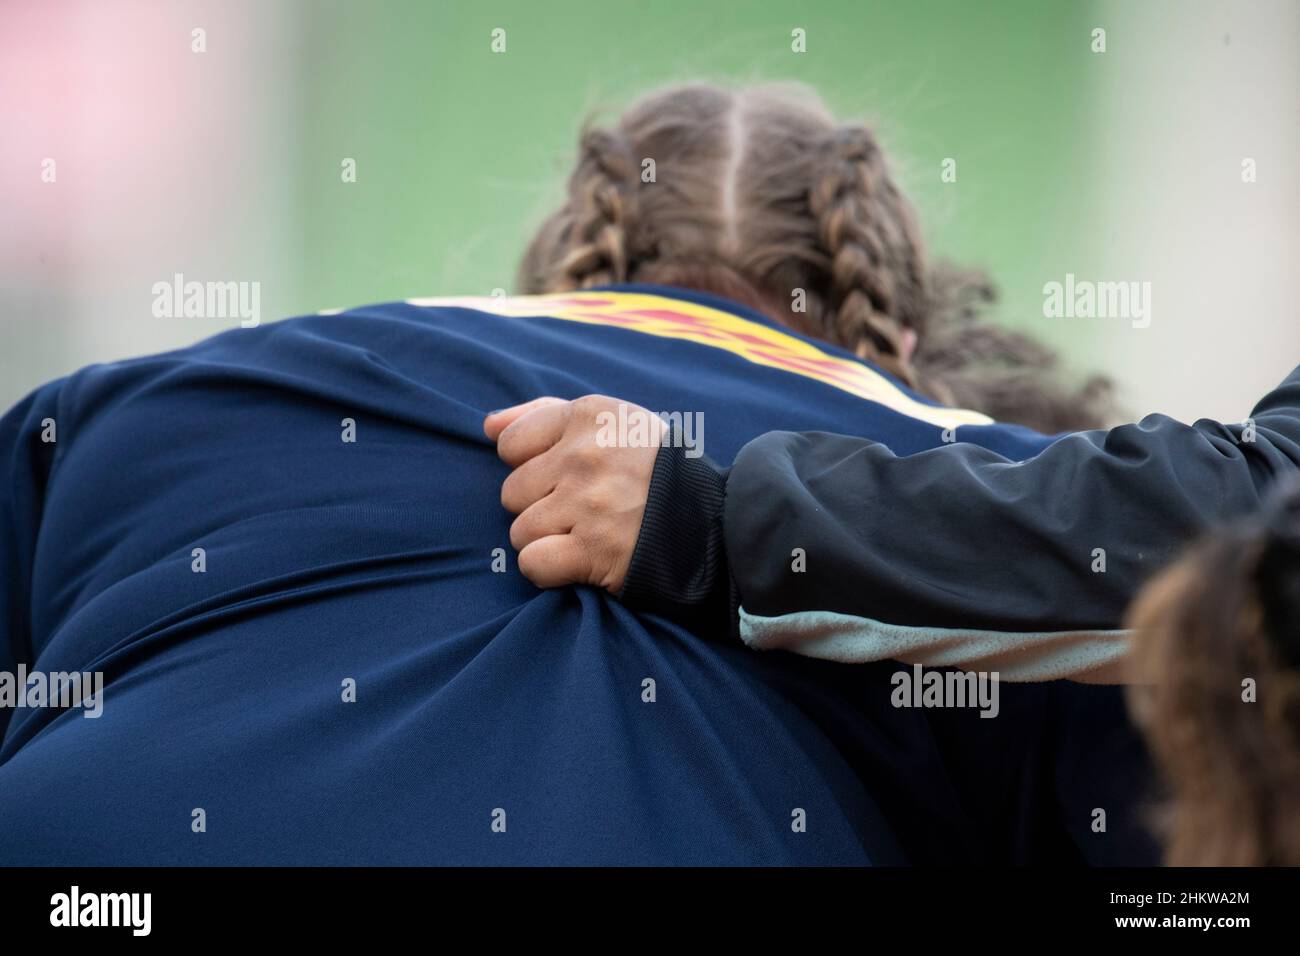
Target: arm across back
(835, 547)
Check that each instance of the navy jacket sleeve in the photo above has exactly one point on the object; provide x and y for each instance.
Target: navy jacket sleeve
(956, 537)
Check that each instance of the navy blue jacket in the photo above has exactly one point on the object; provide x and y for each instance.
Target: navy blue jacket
(284, 550)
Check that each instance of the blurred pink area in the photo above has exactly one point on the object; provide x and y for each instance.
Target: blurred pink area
(129, 114)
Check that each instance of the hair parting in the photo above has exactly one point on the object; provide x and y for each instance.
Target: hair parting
(761, 196)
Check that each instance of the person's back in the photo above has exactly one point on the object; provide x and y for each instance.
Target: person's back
(284, 549)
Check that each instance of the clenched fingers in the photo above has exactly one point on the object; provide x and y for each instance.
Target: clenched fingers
(530, 482)
(495, 423)
(555, 560)
(546, 517)
(533, 432)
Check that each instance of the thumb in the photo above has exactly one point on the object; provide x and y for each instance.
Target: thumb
(496, 422)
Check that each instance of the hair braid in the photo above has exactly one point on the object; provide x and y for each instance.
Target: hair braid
(602, 207)
(761, 195)
(869, 232)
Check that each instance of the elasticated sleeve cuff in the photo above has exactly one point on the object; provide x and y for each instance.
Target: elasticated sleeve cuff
(679, 567)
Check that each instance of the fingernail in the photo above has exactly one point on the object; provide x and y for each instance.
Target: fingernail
(496, 412)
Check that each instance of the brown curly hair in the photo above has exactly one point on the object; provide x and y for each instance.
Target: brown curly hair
(1226, 615)
(758, 194)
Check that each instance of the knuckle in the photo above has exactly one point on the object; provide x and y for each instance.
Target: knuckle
(510, 492)
(589, 451)
(519, 533)
(589, 406)
(506, 441)
(528, 565)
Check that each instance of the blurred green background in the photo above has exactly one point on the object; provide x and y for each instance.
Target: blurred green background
(461, 151)
(225, 164)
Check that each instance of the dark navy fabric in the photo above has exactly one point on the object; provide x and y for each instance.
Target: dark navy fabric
(476, 693)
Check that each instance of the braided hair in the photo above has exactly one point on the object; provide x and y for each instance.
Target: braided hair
(600, 216)
(868, 232)
(758, 194)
